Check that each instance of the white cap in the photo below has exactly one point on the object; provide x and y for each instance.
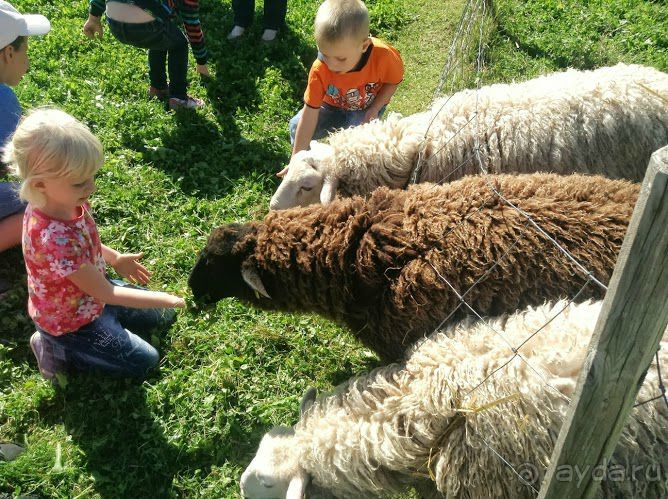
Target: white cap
(14, 24)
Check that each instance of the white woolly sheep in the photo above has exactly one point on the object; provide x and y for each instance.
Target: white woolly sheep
(432, 421)
(607, 121)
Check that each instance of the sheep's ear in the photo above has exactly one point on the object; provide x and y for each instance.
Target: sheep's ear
(328, 191)
(307, 399)
(297, 486)
(252, 278)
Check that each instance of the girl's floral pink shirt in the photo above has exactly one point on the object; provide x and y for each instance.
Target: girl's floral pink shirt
(54, 249)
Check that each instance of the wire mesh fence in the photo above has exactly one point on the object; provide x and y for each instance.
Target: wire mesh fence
(464, 69)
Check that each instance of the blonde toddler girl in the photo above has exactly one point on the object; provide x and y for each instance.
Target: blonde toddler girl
(81, 316)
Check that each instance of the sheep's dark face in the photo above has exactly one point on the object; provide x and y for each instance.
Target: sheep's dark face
(217, 273)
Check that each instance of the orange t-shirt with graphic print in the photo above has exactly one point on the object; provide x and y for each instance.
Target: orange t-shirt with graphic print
(356, 89)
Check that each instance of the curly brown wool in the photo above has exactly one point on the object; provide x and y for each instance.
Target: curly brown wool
(379, 265)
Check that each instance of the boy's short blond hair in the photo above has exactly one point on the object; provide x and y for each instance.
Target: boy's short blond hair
(50, 143)
(340, 19)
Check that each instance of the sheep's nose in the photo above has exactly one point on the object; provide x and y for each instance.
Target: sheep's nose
(274, 204)
(201, 298)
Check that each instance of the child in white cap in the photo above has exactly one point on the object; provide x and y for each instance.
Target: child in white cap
(14, 31)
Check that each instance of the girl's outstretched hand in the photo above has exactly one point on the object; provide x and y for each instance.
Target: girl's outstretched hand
(128, 267)
(177, 302)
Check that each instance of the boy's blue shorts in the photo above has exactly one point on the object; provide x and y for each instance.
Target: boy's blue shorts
(9, 199)
(330, 119)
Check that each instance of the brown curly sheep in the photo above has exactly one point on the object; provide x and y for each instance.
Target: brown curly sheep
(378, 264)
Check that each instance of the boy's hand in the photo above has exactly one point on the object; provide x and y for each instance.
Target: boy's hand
(203, 69)
(127, 266)
(93, 28)
(370, 115)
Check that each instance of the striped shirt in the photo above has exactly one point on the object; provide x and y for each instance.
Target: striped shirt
(186, 10)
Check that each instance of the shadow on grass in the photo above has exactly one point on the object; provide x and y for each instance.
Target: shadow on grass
(15, 325)
(249, 136)
(125, 448)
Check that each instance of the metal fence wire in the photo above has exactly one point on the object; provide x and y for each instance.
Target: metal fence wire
(464, 67)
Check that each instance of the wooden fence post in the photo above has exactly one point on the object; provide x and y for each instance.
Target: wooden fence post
(632, 321)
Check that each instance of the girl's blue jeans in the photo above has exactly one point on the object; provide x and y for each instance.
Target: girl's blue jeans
(330, 118)
(167, 47)
(107, 345)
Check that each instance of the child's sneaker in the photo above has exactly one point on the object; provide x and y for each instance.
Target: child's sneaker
(158, 94)
(187, 103)
(44, 355)
(269, 35)
(237, 32)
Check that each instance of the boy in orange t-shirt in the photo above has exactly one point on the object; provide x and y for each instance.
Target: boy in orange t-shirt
(353, 78)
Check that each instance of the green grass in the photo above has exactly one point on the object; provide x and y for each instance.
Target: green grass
(536, 36)
(229, 372)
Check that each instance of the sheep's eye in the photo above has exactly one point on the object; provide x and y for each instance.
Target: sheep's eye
(306, 189)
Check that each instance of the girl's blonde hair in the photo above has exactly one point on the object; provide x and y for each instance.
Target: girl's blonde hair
(340, 19)
(50, 143)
